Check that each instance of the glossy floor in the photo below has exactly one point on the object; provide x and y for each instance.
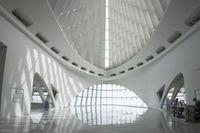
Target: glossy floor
(105, 119)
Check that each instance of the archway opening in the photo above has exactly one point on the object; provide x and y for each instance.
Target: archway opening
(177, 91)
(3, 50)
(43, 98)
(105, 104)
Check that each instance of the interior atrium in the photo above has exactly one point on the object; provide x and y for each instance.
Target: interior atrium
(103, 66)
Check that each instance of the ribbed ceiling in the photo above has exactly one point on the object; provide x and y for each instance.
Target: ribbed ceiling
(131, 24)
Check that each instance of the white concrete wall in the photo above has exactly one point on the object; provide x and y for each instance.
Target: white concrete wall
(183, 59)
(23, 59)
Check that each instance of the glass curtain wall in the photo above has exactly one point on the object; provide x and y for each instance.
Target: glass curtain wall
(108, 94)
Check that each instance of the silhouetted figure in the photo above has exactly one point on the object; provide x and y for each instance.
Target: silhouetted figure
(175, 102)
(197, 103)
(197, 109)
(46, 105)
(181, 106)
(174, 107)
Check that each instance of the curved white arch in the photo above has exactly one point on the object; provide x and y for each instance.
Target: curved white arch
(176, 83)
(40, 85)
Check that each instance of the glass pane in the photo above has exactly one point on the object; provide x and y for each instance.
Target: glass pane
(106, 54)
(85, 93)
(84, 101)
(98, 93)
(89, 101)
(103, 87)
(103, 94)
(98, 101)
(110, 93)
(78, 101)
(107, 45)
(89, 93)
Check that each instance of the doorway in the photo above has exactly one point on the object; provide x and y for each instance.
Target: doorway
(176, 90)
(42, 96)
(3, 50)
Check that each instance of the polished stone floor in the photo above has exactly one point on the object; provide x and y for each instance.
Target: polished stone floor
(104, 119)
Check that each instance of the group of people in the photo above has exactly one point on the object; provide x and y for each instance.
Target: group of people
(178, 108)
(179, 103)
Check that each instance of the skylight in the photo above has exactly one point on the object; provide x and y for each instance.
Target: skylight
(107, 45)
(108, 33)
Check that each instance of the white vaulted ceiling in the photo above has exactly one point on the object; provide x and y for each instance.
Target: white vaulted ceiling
(132, 22)
(131, 25)
(82, 22)
(76, 32)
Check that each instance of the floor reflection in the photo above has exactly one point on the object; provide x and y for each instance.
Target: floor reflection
(105, 119)
(108, 115)
(60, 121)
(172, 125)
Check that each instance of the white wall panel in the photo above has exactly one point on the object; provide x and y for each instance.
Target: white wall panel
(23, 59)
(146, 81)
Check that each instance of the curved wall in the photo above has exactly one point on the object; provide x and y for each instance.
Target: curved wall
(24, 58)
(184, 58)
